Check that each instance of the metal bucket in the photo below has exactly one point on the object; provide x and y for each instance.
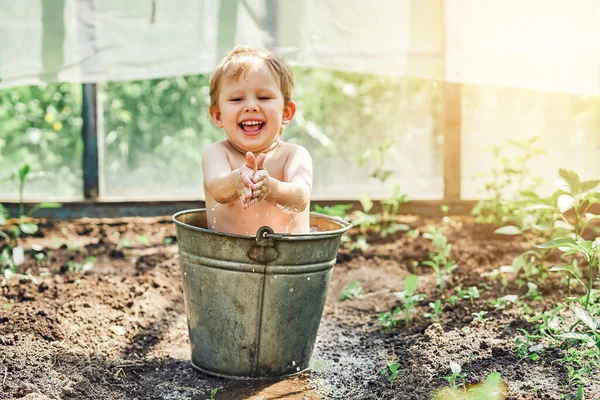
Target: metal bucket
(254, 304)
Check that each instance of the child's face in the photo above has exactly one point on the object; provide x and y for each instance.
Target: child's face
(251, 110)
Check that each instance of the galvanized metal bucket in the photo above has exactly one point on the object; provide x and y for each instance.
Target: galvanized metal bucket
(254, 304)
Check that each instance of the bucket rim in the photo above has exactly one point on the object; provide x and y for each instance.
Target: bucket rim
(344, 226)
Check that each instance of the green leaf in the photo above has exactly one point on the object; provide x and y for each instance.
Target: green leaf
(572, 180)
(574, 335)
(530, 195)
(508, 230)
(410, 284)
(538, 207)
(338, 210)
(589, 185)
(29, 229)
(586, 317)
(366, 202)
(455, 367)
(49, 204)
(565, 202)
(590, 216)
(560, 224)
(23, 171)
(560, 242)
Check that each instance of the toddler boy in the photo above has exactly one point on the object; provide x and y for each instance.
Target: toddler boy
(253, 178)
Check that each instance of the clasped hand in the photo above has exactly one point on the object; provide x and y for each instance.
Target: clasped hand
(253, 180)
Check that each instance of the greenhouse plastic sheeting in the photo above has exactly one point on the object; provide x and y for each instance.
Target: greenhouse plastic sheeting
(537, 44)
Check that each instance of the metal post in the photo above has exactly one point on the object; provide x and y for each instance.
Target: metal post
(90, 142)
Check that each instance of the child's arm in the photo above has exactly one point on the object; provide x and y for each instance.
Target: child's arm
(293, 193)
(224, 184)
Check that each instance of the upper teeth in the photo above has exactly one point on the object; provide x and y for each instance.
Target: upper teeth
(251, 123)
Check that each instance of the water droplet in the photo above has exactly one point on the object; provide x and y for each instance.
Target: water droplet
(298, 369)
(291, 289)
(252, 269)
(293, 363)
(308, 279)
(185, 273)
(288, 210)
(267, 214)
(215, 206)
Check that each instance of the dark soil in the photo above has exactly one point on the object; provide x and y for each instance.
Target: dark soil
(119, 331)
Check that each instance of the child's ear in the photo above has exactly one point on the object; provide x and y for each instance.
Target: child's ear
(215, 116)
(288, 112)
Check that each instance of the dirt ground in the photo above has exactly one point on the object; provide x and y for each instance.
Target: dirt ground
(119, 330)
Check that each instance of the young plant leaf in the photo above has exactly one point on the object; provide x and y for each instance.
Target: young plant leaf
(366, 202)
(589, 185)
(586, 317)
(23, 171)
(560, 224)
(565, 202)
(560, 242)
(410, 284)
(455, 367)
(508, 230)
(29, 229)
(572, 180)
(574, 335)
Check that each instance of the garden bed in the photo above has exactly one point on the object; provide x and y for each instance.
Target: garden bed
(114, 327)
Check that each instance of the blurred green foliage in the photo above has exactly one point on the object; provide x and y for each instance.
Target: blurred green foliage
(41, 127)
(155, 130)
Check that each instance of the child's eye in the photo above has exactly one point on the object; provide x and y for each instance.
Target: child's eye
(236, 99)
(264, 98)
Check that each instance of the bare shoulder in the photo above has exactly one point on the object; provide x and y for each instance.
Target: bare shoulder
(294, 151)
(214, 148)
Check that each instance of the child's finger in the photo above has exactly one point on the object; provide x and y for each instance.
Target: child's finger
(247, 181)
(251, 160)
(260, 160)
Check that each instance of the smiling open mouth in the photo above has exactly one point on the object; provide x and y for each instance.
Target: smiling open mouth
(252, 126)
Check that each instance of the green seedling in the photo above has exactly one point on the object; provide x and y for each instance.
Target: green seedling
(338, 210)
(436, 308)
(87, 265)
(478, 316)
(360, 244)
(391, 371)
(471, 293)
(377, 154)
(440, 261)
(143, 240)
(452, 300)
(351, 291)
(213, 393)
(457, 377)
(502, 303)
(408, 308)
(590, 250)
(509, 187)
(528, 346)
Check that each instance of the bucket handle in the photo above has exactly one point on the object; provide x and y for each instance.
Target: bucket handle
(265, 250)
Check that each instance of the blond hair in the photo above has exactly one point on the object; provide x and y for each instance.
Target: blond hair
(240, 60)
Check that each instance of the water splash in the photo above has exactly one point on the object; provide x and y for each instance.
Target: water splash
(287, 228)
(290, 210)
(215, 206)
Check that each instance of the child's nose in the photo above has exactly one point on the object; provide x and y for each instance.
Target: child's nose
(251, 106)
